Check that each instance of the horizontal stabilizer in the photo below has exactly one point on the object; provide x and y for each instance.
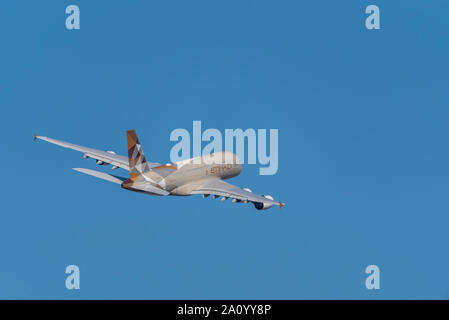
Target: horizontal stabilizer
(147, 188)
(101, 175)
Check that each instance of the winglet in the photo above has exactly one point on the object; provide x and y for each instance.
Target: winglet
(35, 136)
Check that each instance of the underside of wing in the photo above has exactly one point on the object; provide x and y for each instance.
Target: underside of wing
(217, 187)
(102, 157)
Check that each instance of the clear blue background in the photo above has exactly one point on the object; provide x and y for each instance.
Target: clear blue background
(363, 148)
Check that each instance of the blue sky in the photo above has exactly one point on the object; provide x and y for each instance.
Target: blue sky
(363, 148)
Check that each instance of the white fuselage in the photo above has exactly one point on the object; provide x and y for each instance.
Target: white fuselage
(194, 172)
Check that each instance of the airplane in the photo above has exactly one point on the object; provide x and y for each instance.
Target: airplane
(203, 175)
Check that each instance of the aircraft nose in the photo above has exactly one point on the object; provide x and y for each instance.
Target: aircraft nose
(236, 160)
(239, 168)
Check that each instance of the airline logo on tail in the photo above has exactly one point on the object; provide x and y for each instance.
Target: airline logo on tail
(137, 162)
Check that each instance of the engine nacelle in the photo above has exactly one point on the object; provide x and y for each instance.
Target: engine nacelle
(263, 205)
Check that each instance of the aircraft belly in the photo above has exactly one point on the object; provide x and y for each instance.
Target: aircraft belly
(184, 181)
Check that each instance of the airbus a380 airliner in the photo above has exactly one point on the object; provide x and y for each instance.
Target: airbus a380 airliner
(202, 175)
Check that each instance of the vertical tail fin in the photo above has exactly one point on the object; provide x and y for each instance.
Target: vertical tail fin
(137, 162)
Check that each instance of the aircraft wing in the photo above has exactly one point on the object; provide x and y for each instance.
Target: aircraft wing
(106, 157)
(219, 187)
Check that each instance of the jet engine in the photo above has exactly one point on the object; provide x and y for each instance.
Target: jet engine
(263, 205)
